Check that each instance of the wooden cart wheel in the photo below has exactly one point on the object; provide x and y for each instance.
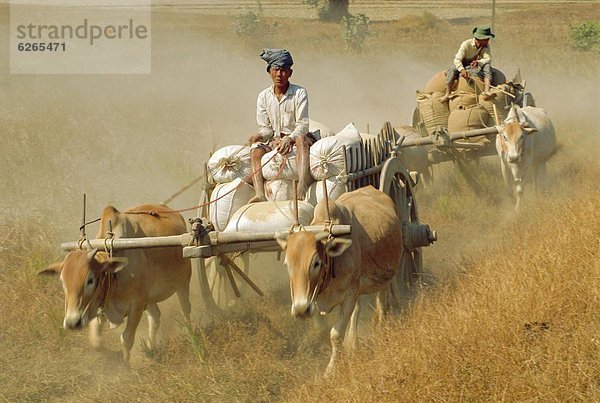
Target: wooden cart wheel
(200, 267)
(396, 183)
(219, 282)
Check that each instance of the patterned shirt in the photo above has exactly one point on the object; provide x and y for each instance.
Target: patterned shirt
(468, 52)
(288, 116)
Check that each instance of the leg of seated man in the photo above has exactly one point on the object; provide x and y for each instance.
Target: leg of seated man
(451, 76)
(258, 180)
(303, 144)
(487, 79)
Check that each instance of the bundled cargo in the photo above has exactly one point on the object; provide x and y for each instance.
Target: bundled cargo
(461, 120)
(229, 163)
(462, 100)
(226, 199)
(280, 166)
(278, 189)
(327, 157)
(433, 112)
(437, 83)
(269, 216)
(335, 188)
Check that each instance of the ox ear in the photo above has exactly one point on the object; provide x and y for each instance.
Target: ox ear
(529, 130)
(337, 246)
(52, 270)
(281, 239)
(114, 265)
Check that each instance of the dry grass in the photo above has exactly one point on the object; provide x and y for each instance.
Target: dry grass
(513, 314)
(521, 322)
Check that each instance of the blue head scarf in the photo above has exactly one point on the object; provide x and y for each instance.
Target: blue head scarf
(278, 58)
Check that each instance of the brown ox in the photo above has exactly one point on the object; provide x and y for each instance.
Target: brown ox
(94, 284)
(363, 264)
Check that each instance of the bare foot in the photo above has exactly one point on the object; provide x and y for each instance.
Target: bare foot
(301, 192)
(444, 98)
(258, 198)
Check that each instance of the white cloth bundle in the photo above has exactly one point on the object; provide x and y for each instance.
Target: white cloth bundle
(335, 189)
(281, 166)
(221, 210)
(229, 163)
(327, 157)
(269, 216)
(278, 189)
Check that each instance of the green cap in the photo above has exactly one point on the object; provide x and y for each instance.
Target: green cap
(483, 32)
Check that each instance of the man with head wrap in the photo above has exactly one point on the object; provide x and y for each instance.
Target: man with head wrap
(282, 117)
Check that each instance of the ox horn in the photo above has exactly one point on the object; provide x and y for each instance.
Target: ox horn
(92, 254)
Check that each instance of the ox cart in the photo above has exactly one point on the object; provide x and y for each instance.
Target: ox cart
(462, 130)
(217, 255)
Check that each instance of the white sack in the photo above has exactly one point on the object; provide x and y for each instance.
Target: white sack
(278, 189)
(269, 216)
(229, 163)
(280, 167)
(335, 189)
(221, 210)
(323, 131)
(326, 155)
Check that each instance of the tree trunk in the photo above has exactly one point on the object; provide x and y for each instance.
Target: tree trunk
(337, 9)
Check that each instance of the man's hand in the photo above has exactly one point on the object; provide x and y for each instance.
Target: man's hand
(464, 73)
(474, 63)
(255, 138)
(285, 145)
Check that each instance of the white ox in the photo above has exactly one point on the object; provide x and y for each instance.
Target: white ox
(133, 282)
(525, 142)
(363, 264)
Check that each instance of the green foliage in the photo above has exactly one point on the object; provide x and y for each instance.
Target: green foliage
(247, 23)
(586, 36)
(429, 20)
(355, 31)
(251, 23)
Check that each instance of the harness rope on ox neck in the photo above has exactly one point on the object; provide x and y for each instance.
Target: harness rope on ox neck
(105, 280)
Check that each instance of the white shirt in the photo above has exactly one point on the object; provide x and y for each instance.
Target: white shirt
(288, 116)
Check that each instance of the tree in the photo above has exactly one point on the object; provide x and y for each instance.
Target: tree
(333, 10)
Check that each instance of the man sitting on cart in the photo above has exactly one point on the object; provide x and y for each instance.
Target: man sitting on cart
(282, 117)
(474, 58)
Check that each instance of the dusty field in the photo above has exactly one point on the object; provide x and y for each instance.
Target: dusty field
(475, 331)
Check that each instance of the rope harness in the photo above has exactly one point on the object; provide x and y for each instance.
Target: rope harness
(106, 278)
(244, 180)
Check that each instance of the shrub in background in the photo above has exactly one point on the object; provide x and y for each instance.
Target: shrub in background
(355, 29)
(586, 36)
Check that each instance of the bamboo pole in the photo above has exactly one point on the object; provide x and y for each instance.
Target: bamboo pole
(295, 196)
(496, 119)
(215, 239)
(326, 197)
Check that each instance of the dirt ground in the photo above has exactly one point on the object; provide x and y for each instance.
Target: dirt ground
(129, 139)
